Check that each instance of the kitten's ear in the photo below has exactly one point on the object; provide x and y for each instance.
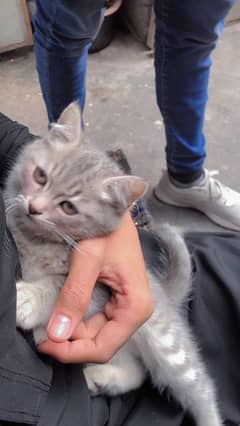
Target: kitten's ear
(68, 126)
(123, 191)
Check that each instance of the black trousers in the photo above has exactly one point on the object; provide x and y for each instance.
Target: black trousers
(36, 390)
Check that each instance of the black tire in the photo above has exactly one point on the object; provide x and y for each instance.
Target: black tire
(105, 35)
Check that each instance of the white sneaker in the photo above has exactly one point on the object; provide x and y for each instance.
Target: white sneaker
(220, 203)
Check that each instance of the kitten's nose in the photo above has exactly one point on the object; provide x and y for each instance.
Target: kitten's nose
(33, 210)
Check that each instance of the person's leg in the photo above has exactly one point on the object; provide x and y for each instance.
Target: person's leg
(63, 34)
(186, 34)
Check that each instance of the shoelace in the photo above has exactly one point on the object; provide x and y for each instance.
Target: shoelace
(220, 191)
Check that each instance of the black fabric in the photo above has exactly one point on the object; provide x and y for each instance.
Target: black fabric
(12, 137)
(215, 313)
(24, 378)
(186, 178)
(34, 390)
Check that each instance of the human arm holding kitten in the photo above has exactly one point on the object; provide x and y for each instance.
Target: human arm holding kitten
(117, 261)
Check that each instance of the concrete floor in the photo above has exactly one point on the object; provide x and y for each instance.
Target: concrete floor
(121, 111)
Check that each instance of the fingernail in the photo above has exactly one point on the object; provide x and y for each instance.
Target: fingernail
(60, 326)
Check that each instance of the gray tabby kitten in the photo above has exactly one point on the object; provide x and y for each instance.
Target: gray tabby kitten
(60, 192)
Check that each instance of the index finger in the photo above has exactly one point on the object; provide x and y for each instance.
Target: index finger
(74, 298)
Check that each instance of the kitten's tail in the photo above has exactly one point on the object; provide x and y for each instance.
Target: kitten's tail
(177, 278)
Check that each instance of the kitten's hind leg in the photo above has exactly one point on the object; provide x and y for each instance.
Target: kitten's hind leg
(173, 361)
(124, 372)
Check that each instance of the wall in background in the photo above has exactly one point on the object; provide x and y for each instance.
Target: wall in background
(15, 27)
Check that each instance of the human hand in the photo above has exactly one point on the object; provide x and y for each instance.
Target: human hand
(116, 260)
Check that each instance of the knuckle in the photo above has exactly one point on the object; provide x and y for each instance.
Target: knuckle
(104, 353)
(142, 309)
(149, 307)
(104, 357)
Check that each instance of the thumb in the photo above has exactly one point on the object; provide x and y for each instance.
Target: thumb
(74, 298)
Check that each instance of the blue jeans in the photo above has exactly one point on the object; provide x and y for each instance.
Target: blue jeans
(186, 34)
(63, 32)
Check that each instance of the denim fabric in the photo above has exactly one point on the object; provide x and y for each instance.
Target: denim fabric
(186, 34)
(64, 31)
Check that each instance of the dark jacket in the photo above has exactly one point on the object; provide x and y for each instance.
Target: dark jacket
(36, 390)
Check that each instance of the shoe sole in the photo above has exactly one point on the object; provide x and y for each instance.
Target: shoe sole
(168, 201)
(215, 219)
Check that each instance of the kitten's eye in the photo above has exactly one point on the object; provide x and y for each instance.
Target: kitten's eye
(40, 176)
(68, 208)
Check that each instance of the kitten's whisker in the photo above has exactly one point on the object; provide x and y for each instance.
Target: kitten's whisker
(19, 197)
(48, 222)
(11, 207)
(11, 203)
(69, 240)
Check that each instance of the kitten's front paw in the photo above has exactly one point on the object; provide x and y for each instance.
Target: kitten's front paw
(103, 379)
(27, 307)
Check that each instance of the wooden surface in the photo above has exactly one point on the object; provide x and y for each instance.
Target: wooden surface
(18, 11)
(29, 37)
(151, 31)
(234, 15)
